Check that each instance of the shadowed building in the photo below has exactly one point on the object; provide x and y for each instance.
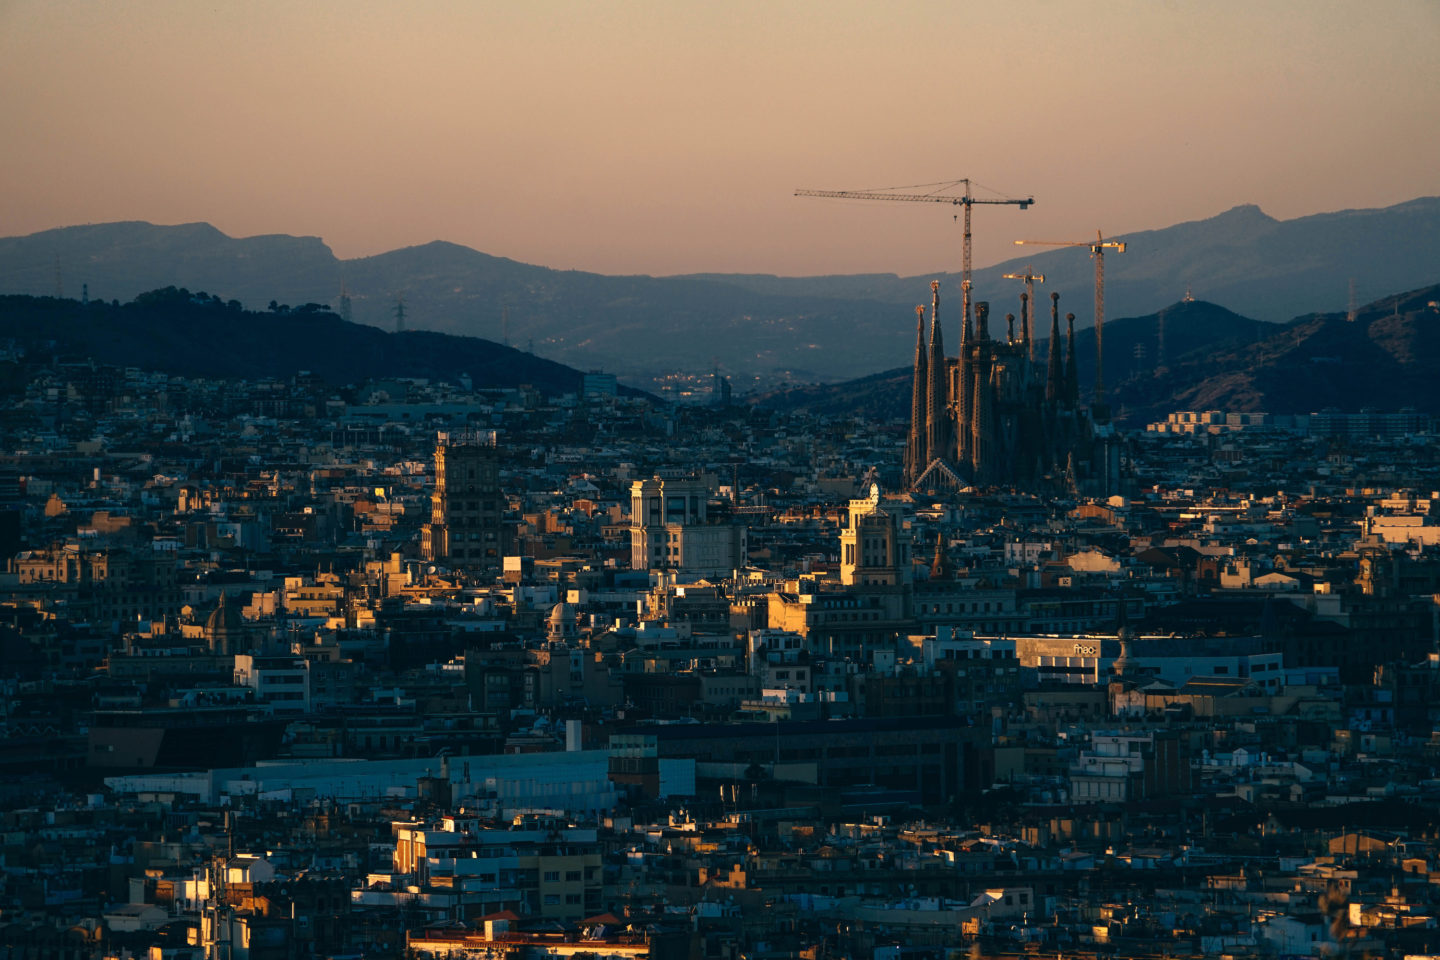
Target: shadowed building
(466, 510)
(225, 629)
(996, 415)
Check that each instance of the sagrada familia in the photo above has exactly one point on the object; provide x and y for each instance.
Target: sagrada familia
(997, 416)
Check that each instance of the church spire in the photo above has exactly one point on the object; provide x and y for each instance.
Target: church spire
(962, 384)
(915, 460)
(940, 566)
(967, 333)
(1026, 323)
(982, 444)
(938, 395)
(1053, 386)
(1072, 377)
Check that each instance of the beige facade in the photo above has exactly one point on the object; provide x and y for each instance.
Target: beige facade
(874, 549)
(674, 526)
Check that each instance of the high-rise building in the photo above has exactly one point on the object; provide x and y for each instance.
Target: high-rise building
(466, 527)
(674, 525)
(874, 546)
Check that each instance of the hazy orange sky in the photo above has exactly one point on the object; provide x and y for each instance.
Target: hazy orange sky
(667, 137)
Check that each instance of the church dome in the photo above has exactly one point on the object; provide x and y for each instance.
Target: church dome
(561, 624)
(224, 627)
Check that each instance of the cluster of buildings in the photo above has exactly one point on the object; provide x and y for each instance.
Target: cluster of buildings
(1330, 423)
(410, 669)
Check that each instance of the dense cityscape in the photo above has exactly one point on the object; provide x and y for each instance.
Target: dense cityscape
(419, 668)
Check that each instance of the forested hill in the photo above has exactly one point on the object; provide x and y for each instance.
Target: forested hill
(198, 335)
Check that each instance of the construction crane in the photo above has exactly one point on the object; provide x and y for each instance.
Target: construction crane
(1098, 246)
(934, 194)
(1029, 276)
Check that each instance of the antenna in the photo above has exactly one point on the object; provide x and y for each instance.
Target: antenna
(400, 314)
(344, 303)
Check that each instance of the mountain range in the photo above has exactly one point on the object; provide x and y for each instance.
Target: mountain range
(759, 329)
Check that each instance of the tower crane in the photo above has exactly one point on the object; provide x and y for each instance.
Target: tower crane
(1029, 276)
(1098, 246)
(934, 194)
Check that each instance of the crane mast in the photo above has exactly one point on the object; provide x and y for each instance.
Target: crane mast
(1098, 246)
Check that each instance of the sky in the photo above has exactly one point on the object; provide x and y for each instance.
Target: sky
(668, 137)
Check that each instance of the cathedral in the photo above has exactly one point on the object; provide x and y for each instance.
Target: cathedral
(996, 415)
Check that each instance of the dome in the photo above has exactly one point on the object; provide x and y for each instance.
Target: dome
(561, 625)
(224, 628)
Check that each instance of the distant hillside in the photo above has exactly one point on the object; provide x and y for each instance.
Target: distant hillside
(173, 331)
(1217, 360)
(774, 328)
(636, 327)
(1386, 359)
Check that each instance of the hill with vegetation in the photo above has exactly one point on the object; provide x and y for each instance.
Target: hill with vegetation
(200, 335)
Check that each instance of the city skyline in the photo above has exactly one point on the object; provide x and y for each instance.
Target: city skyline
(640, 138)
